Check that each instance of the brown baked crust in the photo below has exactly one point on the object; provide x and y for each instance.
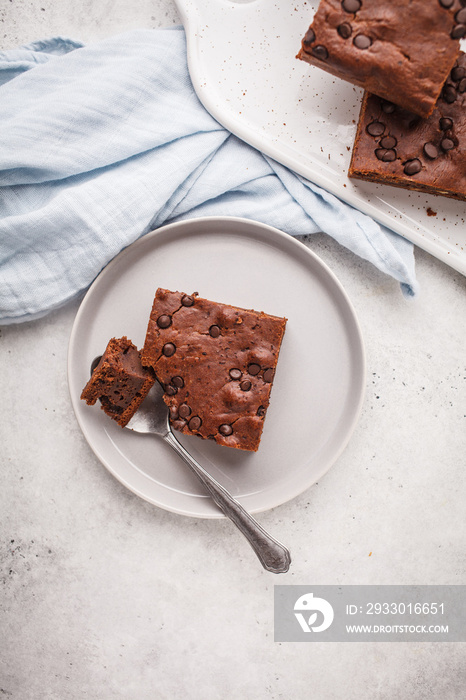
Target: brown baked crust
(212, 387)
(119, 381)
(437, 144)
(411, 51)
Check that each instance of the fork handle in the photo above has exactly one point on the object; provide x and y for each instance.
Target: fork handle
(272, 554)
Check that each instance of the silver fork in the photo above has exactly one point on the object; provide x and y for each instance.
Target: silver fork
(152, 417)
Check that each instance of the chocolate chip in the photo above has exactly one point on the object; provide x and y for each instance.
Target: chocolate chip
(388, 142)
(430, 150)
(447, 144)
(235, 373)
(225, 429)
(178, 382)
(184, 410)
(260, 411)
(168, 349)
(268, 375)
(351, 5)
(245, 385)
(173, 411)
(412, 167)
(458, 31)
(446, 3)
(386, 155)
(344, 30)
(462, 85)
(461, 16)
(388, 107)
(375, 128)
(254, 369)
(164, 321)
(458, 72)
(449, 94)
(320, 52)
(170, 390)
(186, 300)
(309, 37)
(195, 423)
(214, 331)
(361, 41)
(445, 123)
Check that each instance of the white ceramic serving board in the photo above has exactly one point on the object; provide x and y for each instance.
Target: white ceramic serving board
(241, 56)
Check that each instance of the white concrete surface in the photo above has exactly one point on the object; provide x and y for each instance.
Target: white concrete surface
(104, 596)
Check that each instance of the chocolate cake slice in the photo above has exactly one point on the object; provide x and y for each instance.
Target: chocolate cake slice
(395, 147)
(216, 363)
(400, 50)
(119, 381)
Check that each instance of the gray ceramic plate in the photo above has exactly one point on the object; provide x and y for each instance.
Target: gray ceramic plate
(319, 383)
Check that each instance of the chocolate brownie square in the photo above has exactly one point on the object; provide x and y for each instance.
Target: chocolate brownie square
(119, 381)
(216, 363)
(395, 147)
(400, 50)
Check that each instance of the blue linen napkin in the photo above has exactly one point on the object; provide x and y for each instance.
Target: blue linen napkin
(100, 144)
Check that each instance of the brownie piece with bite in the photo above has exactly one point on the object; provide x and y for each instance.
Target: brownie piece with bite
(395, 147)
(119, 381)
(400, 50)
(216, 363)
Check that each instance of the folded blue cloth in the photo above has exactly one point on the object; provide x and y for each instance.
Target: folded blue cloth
(103, 143)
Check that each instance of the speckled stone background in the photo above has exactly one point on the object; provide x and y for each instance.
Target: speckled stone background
(104, 596)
